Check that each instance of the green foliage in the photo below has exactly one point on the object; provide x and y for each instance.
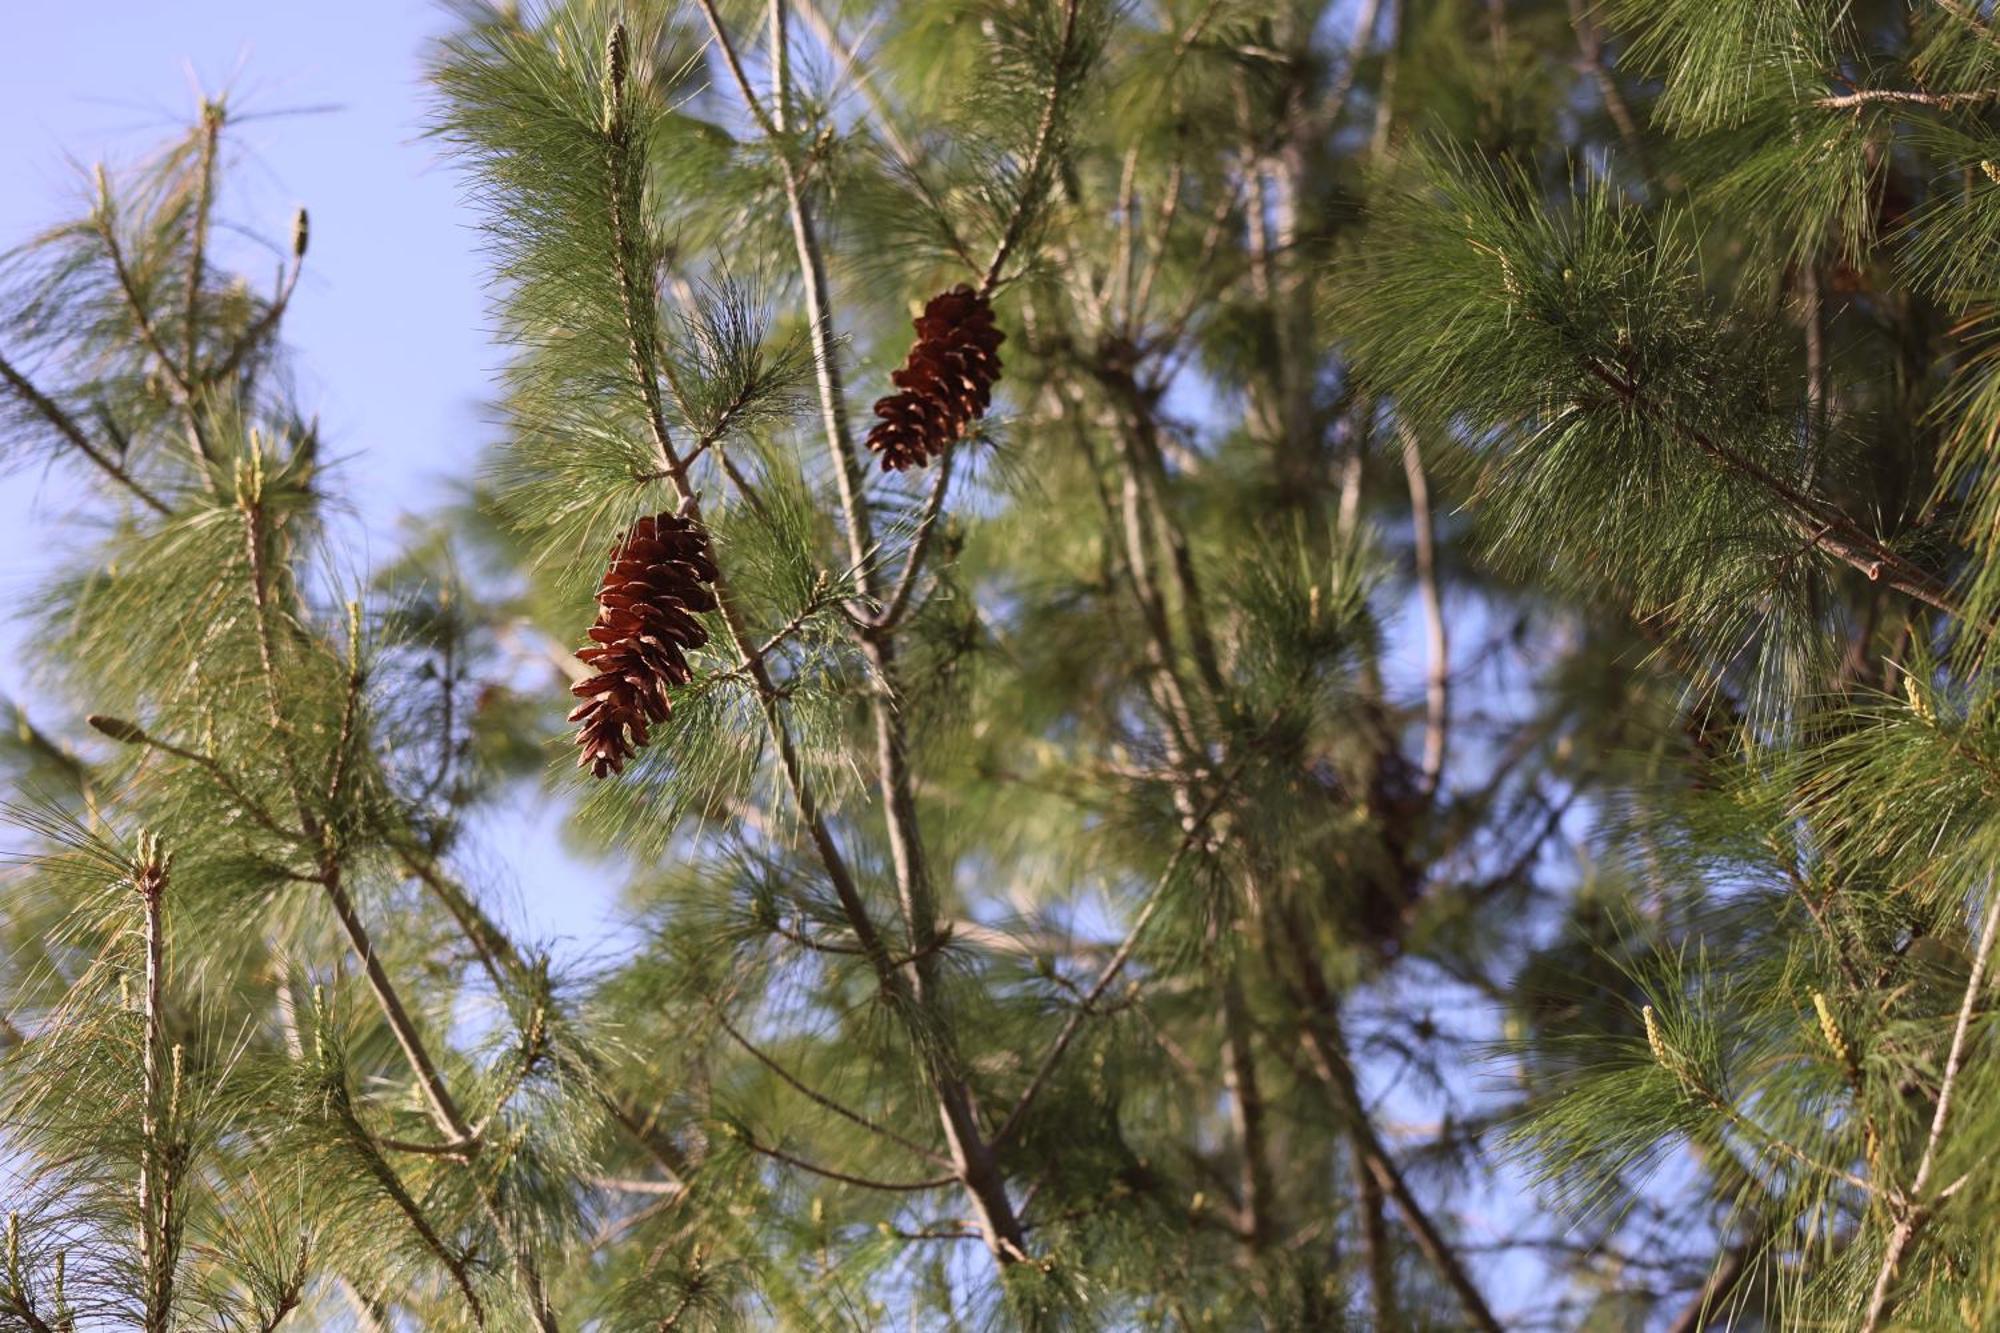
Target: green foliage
(1430, 762)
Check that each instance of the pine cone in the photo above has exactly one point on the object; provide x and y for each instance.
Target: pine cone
(646, 622)
(946, 382)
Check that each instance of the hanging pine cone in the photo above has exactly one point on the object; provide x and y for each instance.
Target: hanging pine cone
(646, 622)
(946, 383)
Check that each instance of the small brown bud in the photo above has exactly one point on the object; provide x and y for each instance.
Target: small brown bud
(301, 233)
(117, 728)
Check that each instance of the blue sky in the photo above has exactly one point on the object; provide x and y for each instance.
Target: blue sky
(389, 323)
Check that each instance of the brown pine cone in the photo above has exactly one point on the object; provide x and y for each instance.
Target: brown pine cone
(946, 383)
(646, 609)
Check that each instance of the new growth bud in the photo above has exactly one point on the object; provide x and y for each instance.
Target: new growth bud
(614, 78)
(301, 233)
(149, 871)
(1662, 1055)
(117, 728)
(1829, 1028)
(1918, 704)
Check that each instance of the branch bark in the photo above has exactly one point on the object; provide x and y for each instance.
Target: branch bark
(66, 426)
(1915, 1208)
(1437, 681)
(1818, 522)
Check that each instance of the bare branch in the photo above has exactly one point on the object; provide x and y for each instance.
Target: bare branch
(1915, 1208)
(899, 600)
(1437, 681)
(1149, 907)
(1818, 522)
(822, 1100)
(828, 1173)
(1861, 97)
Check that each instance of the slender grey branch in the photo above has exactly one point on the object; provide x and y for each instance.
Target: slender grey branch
(392, 1185)
(1861, 97)
(828, 1173)
(822, 1100)
(735, 65)
(1437, 681)
(1149, 907)
(443, 1109)
(1327, 1049)
(1038, 159)
(180, 387)
(978, 1170)
(1916, 1209)
(899, 600)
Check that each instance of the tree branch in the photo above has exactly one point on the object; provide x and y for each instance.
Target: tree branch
(1915, 1208)
(820, 1099)
(65, 425)
(978, 1170)
(1820, 523)
(1861, 97)
(828, 1173)
(1437, 681)
(1148, 908)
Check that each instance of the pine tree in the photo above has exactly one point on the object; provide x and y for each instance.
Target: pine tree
(1420, 756)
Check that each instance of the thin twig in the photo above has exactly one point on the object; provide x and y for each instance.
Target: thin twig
(1326, 1047)
(211, 129)
(261, 327)
(1149, 907)
(979, 1171)
(392, 1185)
(1437, 681)
(443, 1109)
(181, 389)
(899, 600)
(820, 1099)
(1038, 156)
(1915, 1207)
(845, 1178)
(1821, 523)
(727, 49)
(133, 735)
(65, 425)
(1861, 97)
